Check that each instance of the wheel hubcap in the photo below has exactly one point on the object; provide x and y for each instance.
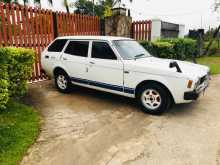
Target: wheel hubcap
(61, 82)
(151, 99)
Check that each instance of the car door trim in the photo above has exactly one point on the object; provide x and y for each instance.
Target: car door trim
(104, 85)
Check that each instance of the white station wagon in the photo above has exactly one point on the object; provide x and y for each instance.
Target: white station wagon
(122, 66)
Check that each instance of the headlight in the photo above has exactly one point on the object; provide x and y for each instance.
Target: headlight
(197, 84)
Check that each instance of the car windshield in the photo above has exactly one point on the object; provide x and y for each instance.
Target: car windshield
(130, 49)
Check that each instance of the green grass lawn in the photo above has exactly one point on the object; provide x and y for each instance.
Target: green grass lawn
(19, 127)
(212, 61)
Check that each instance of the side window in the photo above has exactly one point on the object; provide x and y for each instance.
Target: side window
(102, 50)
(57, 45)
(78, 48)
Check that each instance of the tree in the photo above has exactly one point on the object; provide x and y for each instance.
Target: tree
(86, 7)
(102, 8)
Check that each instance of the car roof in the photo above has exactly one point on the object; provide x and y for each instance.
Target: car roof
(107, 38)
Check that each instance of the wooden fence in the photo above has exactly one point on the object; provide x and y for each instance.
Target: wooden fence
(75, 24)
(141, 30)
(35, 28)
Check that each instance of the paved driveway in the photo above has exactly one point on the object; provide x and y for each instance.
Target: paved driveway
(90, 127)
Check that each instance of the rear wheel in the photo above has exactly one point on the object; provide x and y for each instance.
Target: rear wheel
(62, 82)
(153, 98)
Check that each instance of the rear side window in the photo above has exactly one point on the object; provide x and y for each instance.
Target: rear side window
(57, 45)
(78, 48)
(102, 50)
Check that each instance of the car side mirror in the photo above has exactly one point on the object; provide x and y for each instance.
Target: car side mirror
(175, 64)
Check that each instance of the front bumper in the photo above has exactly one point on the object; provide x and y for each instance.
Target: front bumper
(193, 95)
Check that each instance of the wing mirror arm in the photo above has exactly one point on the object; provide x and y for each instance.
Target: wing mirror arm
(175, 64)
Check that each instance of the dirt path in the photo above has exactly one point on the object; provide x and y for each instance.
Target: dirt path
(90, 127)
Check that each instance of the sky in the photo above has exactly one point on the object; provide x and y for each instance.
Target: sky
(193, 14)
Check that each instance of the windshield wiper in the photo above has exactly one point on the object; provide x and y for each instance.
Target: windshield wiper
(139, 55)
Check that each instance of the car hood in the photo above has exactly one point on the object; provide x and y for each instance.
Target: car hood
(189, 69)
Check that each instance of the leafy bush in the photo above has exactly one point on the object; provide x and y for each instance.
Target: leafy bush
(15, 69)
(4, 96)
(176, 48)
(20, 62)
(163, 49)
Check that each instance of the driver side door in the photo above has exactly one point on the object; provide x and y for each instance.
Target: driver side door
(105, 69)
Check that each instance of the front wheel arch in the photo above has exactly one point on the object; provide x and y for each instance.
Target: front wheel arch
(153, 82)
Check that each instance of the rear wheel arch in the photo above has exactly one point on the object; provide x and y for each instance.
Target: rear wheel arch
(143, 83)
(62, 80)
(59, 70)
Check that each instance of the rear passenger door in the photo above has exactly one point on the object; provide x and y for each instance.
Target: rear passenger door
(75, 58)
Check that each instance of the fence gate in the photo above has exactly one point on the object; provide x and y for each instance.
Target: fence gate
(35, 28)
(141, 30)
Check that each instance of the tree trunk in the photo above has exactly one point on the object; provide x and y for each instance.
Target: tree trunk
(67, 9)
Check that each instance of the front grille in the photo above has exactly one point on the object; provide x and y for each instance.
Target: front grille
(202, 79)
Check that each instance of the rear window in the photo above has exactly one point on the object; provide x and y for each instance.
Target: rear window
(78, 48)
(57, 45)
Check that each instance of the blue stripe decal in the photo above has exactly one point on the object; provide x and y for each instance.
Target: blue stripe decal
(129, 90)
(103, 85)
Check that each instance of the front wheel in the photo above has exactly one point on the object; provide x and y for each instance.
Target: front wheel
(62, 82)
(153, 98)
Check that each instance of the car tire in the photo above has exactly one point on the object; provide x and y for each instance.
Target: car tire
(153, 98)
(62, 82)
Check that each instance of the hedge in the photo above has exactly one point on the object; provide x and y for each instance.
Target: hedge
(177, 48)
(15, 70)
(4, 95)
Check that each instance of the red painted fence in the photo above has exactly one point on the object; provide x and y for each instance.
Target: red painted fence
(34, 28)
(141, 30)
(75, 24)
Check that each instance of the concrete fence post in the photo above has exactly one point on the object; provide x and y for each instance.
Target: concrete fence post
(181, 31)
(156, 29)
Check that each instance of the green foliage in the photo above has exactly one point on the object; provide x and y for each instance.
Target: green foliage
(4, 96)
(107, 11)
(102, 8)
(176, 48)
(19, 70)
(15, 69)
(19, 127)
(86, 7)
(214, 48)
(213, 62)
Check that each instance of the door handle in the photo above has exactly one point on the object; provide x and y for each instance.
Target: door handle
(64, 58)
(46, 56)
(91, 62)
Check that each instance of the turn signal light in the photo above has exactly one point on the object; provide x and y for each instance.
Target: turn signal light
(190, 82)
